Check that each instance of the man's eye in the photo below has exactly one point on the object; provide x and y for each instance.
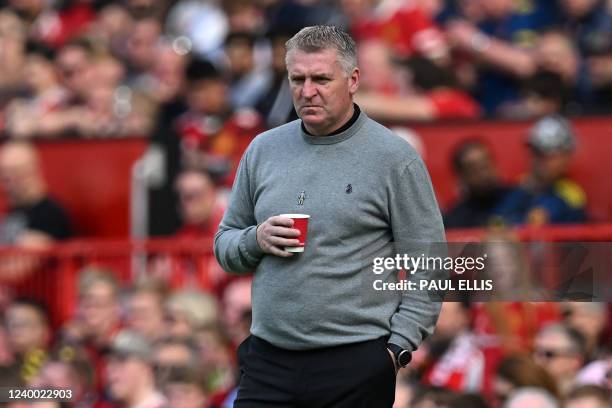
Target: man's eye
(297, 80)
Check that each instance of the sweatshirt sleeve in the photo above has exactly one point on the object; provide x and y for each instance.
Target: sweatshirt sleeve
(236, 247)
(417, 231)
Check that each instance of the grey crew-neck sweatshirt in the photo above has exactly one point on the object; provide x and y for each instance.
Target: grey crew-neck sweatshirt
(369, 195)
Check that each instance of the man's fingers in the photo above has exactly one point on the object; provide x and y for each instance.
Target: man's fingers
(284, 242)
(280, 221)
(283, 232)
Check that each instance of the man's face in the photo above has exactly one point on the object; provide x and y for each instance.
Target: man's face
(477, 170)
(322, 91)
(146, 314)
(240, 56)
(125, 375)
(26, 328)
(551, 166)
(18, 173)
(99, 308)
(207, 96)
(554, 352)
(197, 198)
(74, 67)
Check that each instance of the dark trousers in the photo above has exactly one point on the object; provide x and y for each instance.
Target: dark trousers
(354, 375)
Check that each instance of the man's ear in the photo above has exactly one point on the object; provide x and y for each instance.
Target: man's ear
(353, 80)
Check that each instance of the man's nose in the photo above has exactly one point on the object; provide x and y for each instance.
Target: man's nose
(309, 89)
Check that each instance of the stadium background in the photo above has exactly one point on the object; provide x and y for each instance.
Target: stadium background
(138, 112)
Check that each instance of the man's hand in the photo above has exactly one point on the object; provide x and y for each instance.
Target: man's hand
(274, 234)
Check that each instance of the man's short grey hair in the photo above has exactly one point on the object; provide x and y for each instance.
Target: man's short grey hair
(317, 38)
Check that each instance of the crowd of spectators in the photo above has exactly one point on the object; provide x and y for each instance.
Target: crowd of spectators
(110, 68)
(148, 344)
(200, 79)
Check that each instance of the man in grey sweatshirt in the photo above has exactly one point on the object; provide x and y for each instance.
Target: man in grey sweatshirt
(322, 335)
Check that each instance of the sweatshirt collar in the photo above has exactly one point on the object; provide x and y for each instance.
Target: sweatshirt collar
(344, 133)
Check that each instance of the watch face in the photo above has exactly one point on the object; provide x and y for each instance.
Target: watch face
(404, 358)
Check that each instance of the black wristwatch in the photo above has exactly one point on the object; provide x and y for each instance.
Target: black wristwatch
(402, 356)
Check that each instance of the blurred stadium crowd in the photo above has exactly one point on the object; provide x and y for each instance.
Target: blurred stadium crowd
(200, 79)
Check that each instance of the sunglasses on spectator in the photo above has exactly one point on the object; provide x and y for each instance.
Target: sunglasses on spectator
(550, 354)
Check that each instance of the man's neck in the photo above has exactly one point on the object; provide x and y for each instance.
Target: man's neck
(349, 119)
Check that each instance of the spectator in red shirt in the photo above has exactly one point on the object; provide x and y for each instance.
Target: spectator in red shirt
(402, 25)
(201, 207)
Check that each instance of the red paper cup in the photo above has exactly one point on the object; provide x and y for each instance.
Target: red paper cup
(300, 222)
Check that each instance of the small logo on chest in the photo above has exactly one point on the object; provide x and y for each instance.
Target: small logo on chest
(301, 197)
(349, 189)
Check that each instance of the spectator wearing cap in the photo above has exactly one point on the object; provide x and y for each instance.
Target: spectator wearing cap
(130, 375)
(547, 195)
(212, 135)
(562, 351)
(480, 188)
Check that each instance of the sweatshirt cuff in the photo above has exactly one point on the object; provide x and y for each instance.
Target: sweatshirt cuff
(249, 245)
(400, 341)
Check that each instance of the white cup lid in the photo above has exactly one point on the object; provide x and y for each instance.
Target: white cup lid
(295, 215)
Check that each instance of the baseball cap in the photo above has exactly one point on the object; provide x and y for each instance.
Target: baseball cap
(128, 343)
(550, 134)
